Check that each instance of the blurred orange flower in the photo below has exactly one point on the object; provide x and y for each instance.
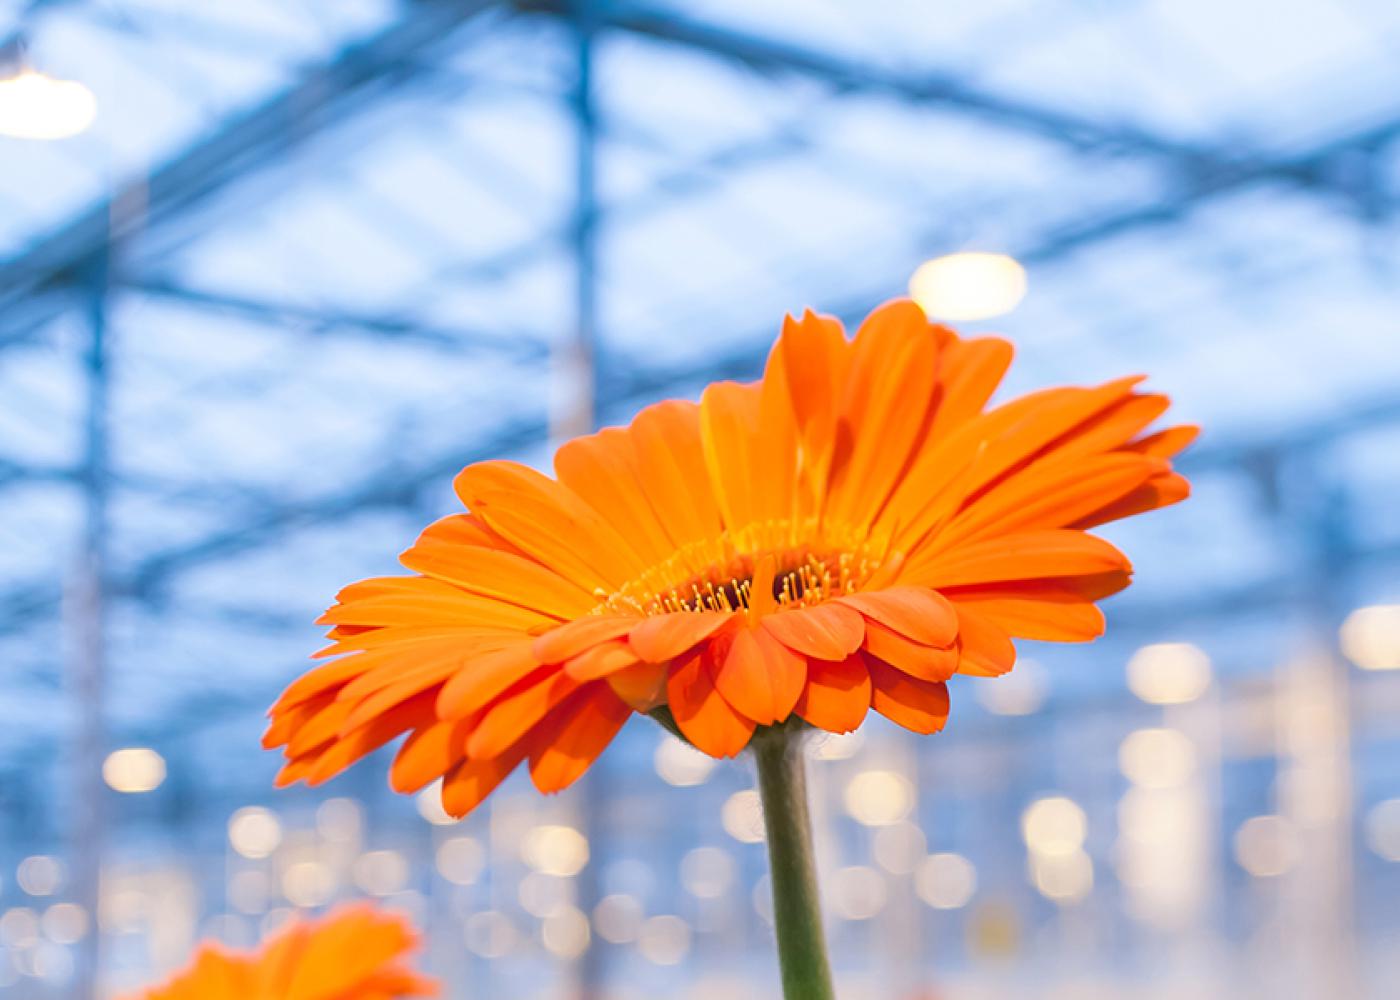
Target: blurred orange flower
(845, 534)
(354, 953)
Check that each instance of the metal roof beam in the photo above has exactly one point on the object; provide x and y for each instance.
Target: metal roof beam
(324, 95)
(1193, 160)
(621, 392)
(1322, 168)
(775, 55)
(520, 346)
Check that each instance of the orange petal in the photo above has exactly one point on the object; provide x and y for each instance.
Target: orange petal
(642, 686)
(422, 601)
(837, 694)
(889, 393)
(929, 663)
(501, 575)
(1023, 556)
(582, 733)
(418, 680)
(921, 614)
(729, 426)
(600, 469)
(814, 353)
(984, 649)
(518, 712)
(933, 488)
(1162, 491)
(376, 732)
(971, 371)
(1049, 496)
(1112, 427)
(663, 637)
(572, 638)
(550, 522)
(774, 451)
(398, 644)
(395, 663)
(826, 631)
(602, 660)
(1047, 610)
(472, 780)
(1165, 443)
(670, 464)
(814, 356)
(314, 682)
(760, 676)
(342, 953)
(428, 754)
(761, 599)
(703, 715)
(467, 530)
(919, 706)
(293, 771)
(319, 728)
(484, 677)
(1051, 423)
(1091, 588)
(287, 722)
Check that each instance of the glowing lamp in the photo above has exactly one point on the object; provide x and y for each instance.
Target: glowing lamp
(133, 770)
(36, 106)
(1371, 637)
(968, 286)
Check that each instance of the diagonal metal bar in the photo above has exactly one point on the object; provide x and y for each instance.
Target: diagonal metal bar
(1190, 160)
(521, 346)
(392, 488)
(324, 95)
(1321, 161)
(779, 56)
(1313, 169)
(389, 487)
(620, 393)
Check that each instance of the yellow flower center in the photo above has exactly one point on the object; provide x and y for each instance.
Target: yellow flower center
(811, 563)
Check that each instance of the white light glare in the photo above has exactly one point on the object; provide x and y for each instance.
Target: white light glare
(1054, 826)
(1169, 673)
(1371, 637)
(134, 770)
(254, 832)
(968, 286)
(36, 106)
(946, 881)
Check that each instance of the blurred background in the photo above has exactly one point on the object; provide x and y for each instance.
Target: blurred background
(272, 271)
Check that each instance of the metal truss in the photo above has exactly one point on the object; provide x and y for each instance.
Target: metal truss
(154, 207)
(156, 215)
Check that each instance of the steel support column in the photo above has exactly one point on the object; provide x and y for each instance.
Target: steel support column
(86, 622)
(576, 413)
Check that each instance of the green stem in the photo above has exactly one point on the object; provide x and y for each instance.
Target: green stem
(797, 912)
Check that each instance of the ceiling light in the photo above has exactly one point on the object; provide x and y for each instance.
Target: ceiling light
(1169, 673)
(1371, 637)
(34, 105)
(968, 286)
(134, 770)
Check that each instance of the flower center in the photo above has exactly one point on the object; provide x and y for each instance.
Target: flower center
(719, 574)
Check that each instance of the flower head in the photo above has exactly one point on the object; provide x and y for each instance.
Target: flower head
(354, 953)
(845, 534)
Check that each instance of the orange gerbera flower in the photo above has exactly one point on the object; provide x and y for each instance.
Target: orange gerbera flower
(845, 534)
(354, 953)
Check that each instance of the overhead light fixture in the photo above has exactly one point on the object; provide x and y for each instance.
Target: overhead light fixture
(1371, 637)
(133, 770)
(968, 286)
(1169, 673)
(34, 105)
